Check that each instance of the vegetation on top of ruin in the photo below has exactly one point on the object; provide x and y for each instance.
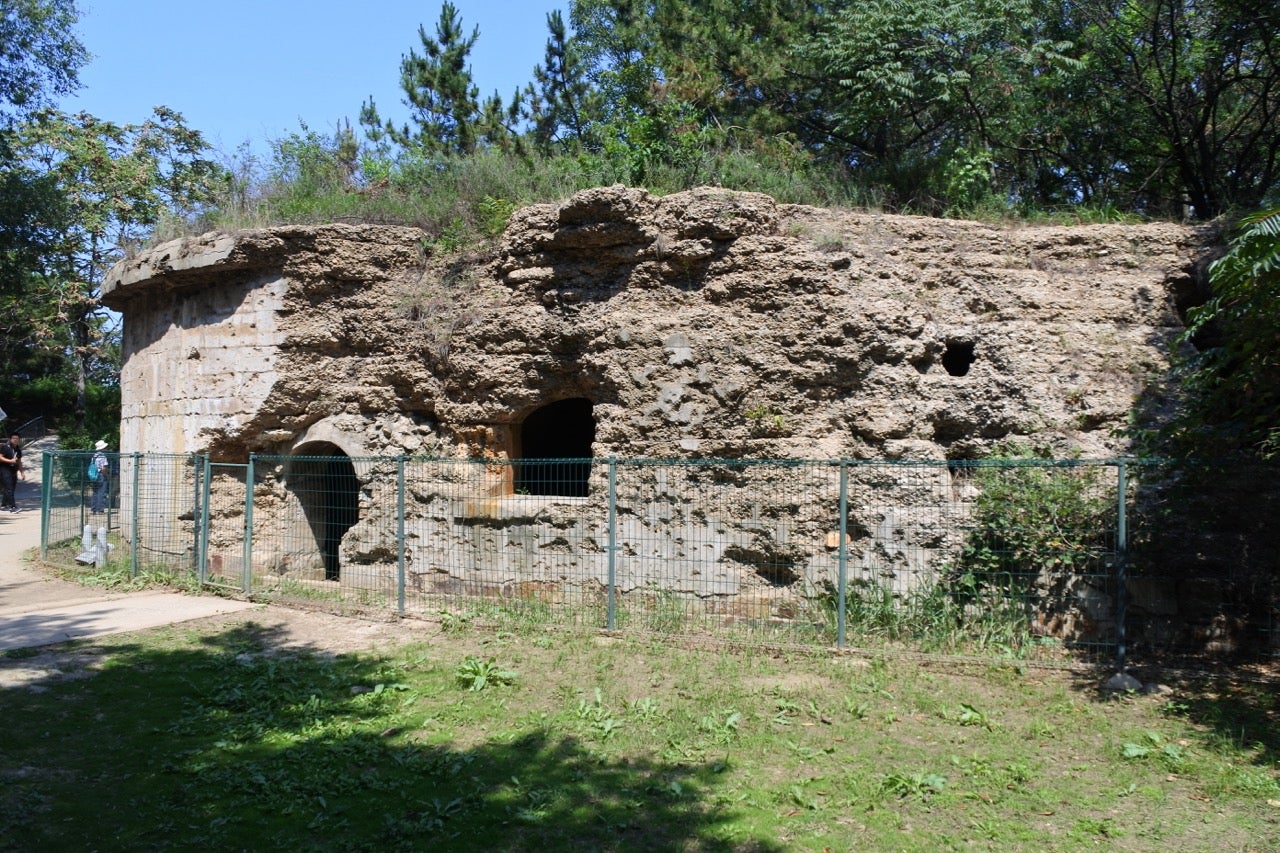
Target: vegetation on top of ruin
(1017, 109)
(1011, 108)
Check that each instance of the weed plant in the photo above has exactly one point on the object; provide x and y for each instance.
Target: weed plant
(929, 618)
(656, 610)
(117, 573)
(228, 738)
(285, 589)
(1037, 534)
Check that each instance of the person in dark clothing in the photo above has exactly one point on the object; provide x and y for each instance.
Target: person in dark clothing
(10, 472)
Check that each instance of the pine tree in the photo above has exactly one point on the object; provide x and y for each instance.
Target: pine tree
(443, 100)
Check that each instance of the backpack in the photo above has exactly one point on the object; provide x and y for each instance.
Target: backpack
(93, 470)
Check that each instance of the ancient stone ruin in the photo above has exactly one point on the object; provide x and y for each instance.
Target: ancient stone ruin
(706, 324)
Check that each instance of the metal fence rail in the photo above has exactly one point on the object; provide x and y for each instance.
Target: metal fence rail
(1030, 558)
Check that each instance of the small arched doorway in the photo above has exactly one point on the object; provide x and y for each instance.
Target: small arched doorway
(324, 481)
(555, 449)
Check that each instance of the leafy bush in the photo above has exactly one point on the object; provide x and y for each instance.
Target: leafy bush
(1233, 399)
(1036, 524)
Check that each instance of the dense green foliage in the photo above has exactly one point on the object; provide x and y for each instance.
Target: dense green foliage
(79, 192)
(1233, 397)
(39, 59)
(1002, 107)
(1145, 106)
(112, 185)
(1036, 531)
(1031, 521)
(39, 55)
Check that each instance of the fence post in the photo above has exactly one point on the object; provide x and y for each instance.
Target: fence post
(112, 482)
(133, 522)
(195, 514)
(613, 543)
(246, 558)
(202, 549)
(1122, 568)
(842, 578)
(46, 501)
(400, 535)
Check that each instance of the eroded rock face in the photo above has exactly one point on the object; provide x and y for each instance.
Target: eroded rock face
(707, 323)
(231, 342)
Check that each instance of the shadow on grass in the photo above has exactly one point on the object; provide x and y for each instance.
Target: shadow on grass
(1239, 716)
(241, 743)
(1244, 715)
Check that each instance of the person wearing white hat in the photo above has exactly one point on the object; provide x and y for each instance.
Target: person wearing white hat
(99, 473)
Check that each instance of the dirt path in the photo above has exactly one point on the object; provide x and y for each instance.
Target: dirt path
(39, 613)
(22, 588)
(38, 610)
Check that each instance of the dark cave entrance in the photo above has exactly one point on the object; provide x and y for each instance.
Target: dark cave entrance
(555, 449)
(325, 483)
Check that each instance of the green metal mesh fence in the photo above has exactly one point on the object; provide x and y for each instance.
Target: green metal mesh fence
(146, 502)
(1024, 558)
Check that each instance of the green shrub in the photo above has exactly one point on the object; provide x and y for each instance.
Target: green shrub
(1036, 524)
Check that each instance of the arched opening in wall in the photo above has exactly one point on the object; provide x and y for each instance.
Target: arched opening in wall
(958, 357)
(324, 481)
(555, 449)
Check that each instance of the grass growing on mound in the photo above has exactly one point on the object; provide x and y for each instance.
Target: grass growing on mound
(476, 740)
(465, 201)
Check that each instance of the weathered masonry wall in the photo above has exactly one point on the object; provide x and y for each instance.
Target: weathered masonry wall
(200, 359)
(706, 324)
(207, 337)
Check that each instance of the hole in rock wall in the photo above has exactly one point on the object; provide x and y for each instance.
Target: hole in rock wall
(555, 449)
(777, 569)
(324, 481)
(958, 357)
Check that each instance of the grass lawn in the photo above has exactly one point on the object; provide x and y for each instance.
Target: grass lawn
(534, 740)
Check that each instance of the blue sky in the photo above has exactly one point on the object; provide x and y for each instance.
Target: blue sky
(242, 71)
